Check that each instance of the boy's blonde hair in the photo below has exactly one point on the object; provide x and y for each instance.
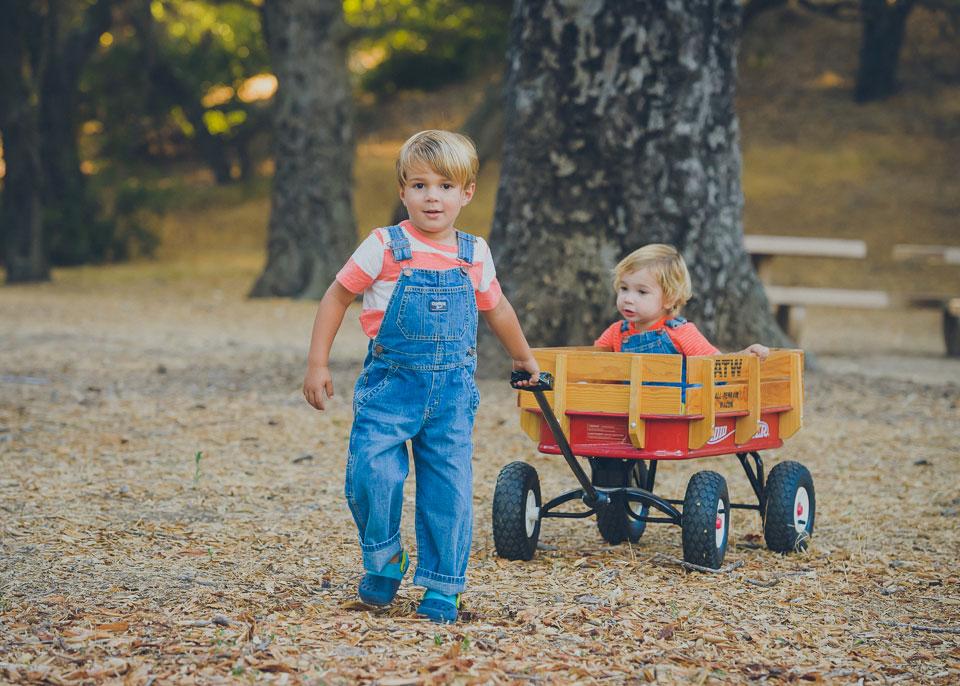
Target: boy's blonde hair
(447, 153)
(668, 268)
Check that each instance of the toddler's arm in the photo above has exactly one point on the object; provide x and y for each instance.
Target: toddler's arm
(317, 380)
(504, 323)
(757, 349)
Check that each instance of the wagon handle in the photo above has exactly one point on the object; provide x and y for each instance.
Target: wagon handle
(591, 496)
(545, 384)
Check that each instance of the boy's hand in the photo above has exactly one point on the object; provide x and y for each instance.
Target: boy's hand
(528, 365)
(317, 382)
(757, 349)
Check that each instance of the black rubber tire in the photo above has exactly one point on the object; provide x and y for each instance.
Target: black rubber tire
(510, 535)
(706, 491)
(783, 532)
(615, 525)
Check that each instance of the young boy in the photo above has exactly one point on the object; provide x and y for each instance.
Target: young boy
(423, 283)
(652, 285)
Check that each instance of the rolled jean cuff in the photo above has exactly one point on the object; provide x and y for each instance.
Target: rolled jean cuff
(441, 583)
(377, 555)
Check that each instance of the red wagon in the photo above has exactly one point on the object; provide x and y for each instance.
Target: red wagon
(624, 413)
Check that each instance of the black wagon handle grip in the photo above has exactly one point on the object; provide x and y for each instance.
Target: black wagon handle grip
(545, 383)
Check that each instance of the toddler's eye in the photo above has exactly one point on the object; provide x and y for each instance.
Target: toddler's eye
(447, 186)
(418, 186)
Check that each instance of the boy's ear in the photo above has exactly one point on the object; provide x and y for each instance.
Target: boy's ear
(468, 193)
(401, 196)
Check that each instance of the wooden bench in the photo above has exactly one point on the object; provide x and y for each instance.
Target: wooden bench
(789, 301)
(948, 305)
(931, 254)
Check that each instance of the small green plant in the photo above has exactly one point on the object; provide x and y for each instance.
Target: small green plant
(465, 644)
(210, 553)
(438, 639)
(196, 474)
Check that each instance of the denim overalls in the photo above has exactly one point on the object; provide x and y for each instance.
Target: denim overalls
(417, 384)
(657, 341)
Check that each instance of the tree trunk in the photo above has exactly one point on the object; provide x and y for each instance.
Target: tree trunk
(24, 256)
(621, 131)
(884, 25)
(48, 214)
(312, 228)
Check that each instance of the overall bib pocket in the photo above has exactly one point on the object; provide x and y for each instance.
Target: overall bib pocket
(434, 313)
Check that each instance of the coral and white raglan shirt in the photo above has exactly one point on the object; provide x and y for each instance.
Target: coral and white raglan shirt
(373, 271)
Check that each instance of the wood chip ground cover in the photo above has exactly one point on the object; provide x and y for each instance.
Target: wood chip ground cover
(172, 512)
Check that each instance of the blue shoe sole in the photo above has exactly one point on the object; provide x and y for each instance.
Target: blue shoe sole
(438, 611)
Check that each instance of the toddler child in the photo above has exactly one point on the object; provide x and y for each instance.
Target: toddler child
(652, 284)
(423, 283)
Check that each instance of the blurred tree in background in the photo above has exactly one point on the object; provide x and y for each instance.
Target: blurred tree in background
(883, 29)
(47, 212)
(312, 229)
(425, 45)
(145, 82)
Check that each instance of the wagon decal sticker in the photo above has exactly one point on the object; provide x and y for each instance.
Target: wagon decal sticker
(763, 431)
(719, 434)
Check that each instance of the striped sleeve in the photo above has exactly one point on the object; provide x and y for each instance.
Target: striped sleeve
(364, 266)
(488, 290)
(689, 341)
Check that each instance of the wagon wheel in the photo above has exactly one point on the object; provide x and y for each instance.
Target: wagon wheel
(705, 521)
(791, 508)
(516, 511)
(615, 525)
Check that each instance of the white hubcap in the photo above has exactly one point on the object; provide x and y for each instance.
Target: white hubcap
(531, 514)
(721, 524)
(801, 510)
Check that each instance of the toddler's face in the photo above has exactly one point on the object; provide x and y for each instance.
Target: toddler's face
(640, 298)
(433, 202)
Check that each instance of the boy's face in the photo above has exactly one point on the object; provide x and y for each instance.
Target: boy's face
(640, 299)
(433, 202)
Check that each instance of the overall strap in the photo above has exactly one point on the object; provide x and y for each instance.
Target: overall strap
(399, 244)
(625, 326)
(465, 245)
(675, 323)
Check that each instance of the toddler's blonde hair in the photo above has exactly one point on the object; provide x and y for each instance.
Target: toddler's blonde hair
(447, 153)
(668, 268)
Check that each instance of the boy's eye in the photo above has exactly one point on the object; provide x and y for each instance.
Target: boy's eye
(447, 186)
(418, 186)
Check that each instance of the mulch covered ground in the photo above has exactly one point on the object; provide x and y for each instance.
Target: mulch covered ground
(171, 511)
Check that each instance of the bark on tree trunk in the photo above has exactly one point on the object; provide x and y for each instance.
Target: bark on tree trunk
(312, 228)
(621, 131)
(884, 25)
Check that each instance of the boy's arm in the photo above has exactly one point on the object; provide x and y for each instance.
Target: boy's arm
(325, 326)
(504, 323)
